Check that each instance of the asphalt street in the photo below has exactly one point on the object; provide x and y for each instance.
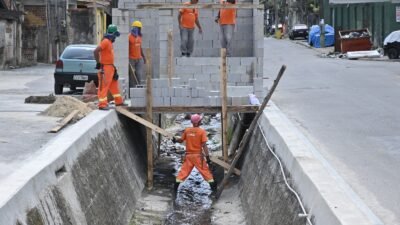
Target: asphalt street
(349, 109)
(23, 130)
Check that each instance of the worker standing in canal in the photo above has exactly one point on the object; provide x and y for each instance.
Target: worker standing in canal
(107, 75)
(227, 20)
(136, 55)
(187, 20)
(197, 154)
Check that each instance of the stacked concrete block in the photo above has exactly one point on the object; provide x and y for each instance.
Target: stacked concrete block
(242, 100)
(138, 102)
(258, 88)
(137, 92)
(238, 91)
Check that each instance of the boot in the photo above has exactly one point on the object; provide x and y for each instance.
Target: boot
(213, 186)
(176, 186)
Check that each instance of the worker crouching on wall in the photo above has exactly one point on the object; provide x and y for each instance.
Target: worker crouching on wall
(197, 154)
(108, 76)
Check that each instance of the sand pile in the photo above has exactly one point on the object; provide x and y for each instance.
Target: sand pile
(64, 105)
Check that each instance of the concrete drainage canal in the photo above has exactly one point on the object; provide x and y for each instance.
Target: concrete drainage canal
(193, 202)
(102, 159)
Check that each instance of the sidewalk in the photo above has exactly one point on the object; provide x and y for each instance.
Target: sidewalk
(24, 130)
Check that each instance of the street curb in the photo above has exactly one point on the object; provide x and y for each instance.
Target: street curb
(327, 197)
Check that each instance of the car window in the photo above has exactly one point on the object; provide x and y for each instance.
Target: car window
(297, 27)
(78, 53)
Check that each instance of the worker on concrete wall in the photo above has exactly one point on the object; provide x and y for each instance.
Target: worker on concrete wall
(187, 19)
(108, 76)
(136, 55)
(227, 20)
(197, 154)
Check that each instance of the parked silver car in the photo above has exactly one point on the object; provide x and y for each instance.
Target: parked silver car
(75, 67)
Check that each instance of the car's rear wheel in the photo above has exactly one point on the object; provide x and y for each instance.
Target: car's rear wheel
(393, 53)
(58, 89)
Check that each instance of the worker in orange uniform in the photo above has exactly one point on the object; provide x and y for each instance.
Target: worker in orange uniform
(136, 55)
(108, 76)
(196, 153)
(227, 20)
(187, 19)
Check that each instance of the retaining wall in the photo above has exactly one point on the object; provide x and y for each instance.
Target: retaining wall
(327, 198)
(92, 173)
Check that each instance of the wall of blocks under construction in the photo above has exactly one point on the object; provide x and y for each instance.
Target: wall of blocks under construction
(203, 68)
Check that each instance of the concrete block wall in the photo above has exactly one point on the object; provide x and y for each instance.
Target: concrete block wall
(203, 66)
(240, 70)
(192, 92)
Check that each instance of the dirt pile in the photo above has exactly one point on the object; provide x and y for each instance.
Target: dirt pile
(64, 105)
(89, 92)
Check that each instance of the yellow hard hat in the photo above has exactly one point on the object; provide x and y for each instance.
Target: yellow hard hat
(137, 23)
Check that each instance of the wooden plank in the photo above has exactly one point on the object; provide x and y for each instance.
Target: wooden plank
(199, 6)
(170, 57)
(196, 109)
(64, 122)
(223, 164)
(224, 113)
(249, 132)
(149, 116)
(144, 122)
(133, 74)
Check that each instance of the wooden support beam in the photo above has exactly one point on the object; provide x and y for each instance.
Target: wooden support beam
(200, 6)
(170, 57)
(224, 113)
(149, 117)
(223, 164)
(159, 136)
(144, 122)
(249, 132)
(64, 122)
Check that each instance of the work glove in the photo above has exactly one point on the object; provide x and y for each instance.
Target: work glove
(174, 140)
(98, 66)
(216, 19)
(208, 160)
(116, 76)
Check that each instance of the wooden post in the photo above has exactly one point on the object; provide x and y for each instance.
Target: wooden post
(170, 57)
(149, 117)
(224, 112)
(249, 131)
(159, 136)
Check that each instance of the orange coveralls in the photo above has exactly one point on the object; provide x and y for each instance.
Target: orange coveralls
(106, 74)
(195, 137)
